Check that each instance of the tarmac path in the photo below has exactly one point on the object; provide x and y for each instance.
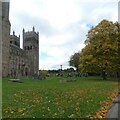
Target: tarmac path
(114, 111)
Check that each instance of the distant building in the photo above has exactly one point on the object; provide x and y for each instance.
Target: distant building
(16, 61)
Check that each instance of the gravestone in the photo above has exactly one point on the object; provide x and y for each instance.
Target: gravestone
(15, 80)
(67, 81)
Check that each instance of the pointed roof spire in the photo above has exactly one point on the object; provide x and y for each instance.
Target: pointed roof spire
(23, 30)
(33, 29)
(13, 32)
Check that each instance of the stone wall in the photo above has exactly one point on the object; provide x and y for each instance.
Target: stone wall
(19, 62)
(0, 40)
(5, 39)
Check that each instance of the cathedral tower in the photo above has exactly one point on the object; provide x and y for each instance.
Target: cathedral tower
(31, 46)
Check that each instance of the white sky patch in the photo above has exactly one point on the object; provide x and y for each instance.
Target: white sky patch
(63, 25)
(62, 12)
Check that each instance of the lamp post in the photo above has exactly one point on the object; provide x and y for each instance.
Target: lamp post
(61, 67)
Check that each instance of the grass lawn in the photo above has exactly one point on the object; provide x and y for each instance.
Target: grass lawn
(0, 97)
(88, 96)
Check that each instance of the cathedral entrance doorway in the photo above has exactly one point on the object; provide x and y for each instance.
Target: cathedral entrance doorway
(26, 71)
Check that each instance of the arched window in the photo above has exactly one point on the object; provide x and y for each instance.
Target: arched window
(27, 47)
(30, 47)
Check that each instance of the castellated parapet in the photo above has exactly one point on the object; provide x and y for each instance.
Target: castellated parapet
(30, 34)
(15, 40)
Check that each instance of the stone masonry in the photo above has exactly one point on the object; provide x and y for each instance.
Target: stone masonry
(5, 38)
(18, 62)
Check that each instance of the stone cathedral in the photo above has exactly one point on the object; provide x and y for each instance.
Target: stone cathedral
(16, 61)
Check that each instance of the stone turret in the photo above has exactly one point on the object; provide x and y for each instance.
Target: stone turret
(14, 40)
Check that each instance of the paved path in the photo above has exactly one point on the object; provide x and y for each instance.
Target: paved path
(114, 111)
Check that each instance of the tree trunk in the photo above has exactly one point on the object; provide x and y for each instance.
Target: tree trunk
(104, 75)
(118, 75)
(77, 69)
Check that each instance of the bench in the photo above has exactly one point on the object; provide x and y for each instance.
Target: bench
(15, 80)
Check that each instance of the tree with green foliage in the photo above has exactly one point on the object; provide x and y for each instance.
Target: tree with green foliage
(43, 72)
(74, 60)
(100, 54)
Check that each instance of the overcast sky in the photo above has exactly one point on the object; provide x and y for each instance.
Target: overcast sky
(62, 24)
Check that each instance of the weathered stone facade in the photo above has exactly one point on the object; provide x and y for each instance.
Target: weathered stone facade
(18, 62)
(31, 47)
(0, 40)
(5, 38)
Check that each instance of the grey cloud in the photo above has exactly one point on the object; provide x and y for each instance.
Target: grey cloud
(40, 24)
(105, 11)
